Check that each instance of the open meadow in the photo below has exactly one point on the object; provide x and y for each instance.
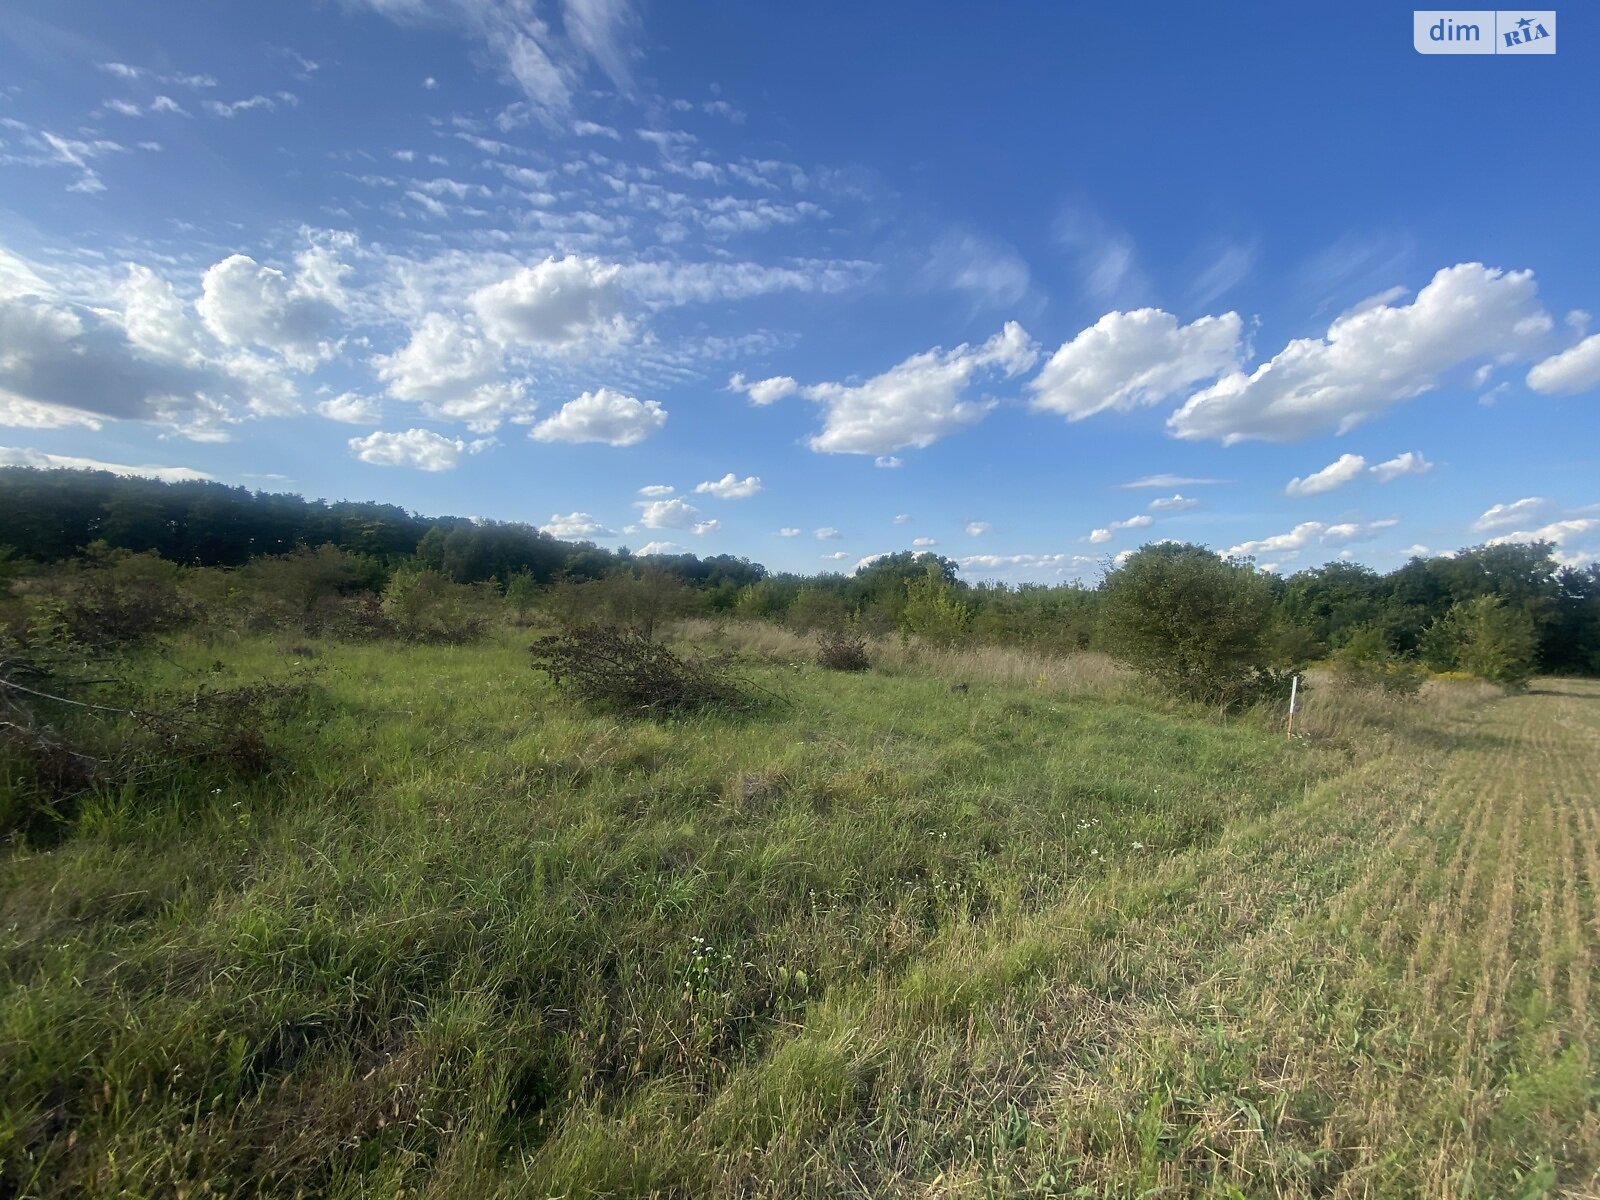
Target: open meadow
(1052, 935)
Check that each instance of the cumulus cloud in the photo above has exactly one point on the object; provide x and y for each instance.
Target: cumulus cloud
(1134, 359)
(1576, 369)
(840, 556)
(575, 525)
(978, 528)
(828, 533)
(730, 487)
(1105, 532)
(1311, 533)
(1559, 532)
(923, 542)
(443, 358)
(701, 528)
(1409, 463)
(16, 456)
(419, 448)
(1003, 562)
(1174, 503)
(560, 303)
(657, 489)
(66, 364)
(603, 416)
(789, 531)
(1518, 512)
(888, 462)
(763, 391)
(352, 408)
(455, 374)
(902, 518)
(1335, 475)
(1372, 359)
(243, 302)
(650, 548)
(668, 514)
(1348, 467)
(920, 400)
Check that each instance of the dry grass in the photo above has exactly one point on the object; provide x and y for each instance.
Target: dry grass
(1073, 676)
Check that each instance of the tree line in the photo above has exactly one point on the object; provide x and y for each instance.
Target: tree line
(1419, 612)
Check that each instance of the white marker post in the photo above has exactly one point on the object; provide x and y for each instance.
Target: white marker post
(1294, 694)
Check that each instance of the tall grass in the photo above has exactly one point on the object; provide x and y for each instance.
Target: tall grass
(471, 939)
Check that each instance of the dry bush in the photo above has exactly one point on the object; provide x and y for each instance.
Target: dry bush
(842, 650)
(64, 734)
(624, 670)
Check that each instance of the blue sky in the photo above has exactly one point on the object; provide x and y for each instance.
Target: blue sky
(1028, 285)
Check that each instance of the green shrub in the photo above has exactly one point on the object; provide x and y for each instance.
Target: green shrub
(1198, 624)
(425, 606)
(1367, 661)
(1487, 638)
(932, 612)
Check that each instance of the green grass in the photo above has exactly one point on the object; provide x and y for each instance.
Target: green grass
(877, 937)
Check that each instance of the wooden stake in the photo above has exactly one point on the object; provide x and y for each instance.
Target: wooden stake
(1294, 693)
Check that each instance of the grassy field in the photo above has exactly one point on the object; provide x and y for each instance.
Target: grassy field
(1047, 937)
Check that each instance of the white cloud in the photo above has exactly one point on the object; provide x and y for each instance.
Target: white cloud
(668, 514)
(1308, 533)
(603, 416)
(1004, 562)
(559, 303)
(839, 556)
(731, 487)
(918, 401)
(1134, 359)
(924, 542)
(1104, 533)
(657, 489)
(351, 408)
(1372, 359)
(124, 108)
(1174, 503)
(454, 373)
(989, 270)
(1166, 481)
(659, 548)
(1502, 516)
(763, 391)
(828, 533)
(228, 111)
(1335, 475)
(978, 528)
(575, 525)
(701, 528)
(1409, 463)
(1559, 532)
(243, 302)
(1576, 369)
(1106, 257)
(888, 462)
(66, 365)
(549, 67)
(23, 457)
(789, 531)
(419, 448)
(902, 518)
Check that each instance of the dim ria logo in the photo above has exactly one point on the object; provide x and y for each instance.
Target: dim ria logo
(1484, 31)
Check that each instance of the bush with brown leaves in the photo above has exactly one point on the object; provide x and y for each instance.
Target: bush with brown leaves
(624, 670)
